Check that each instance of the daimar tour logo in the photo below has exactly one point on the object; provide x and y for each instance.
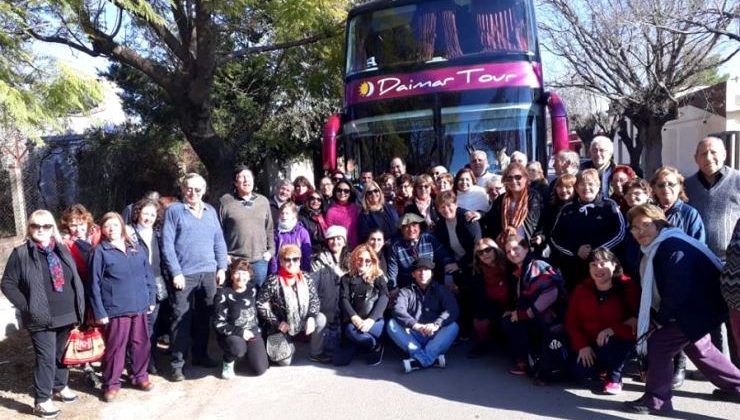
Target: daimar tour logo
(367, 88)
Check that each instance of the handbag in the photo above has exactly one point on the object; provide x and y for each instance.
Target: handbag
(84, 346)
(278, 347)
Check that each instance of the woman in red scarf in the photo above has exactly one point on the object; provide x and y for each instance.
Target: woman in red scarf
(288, 305)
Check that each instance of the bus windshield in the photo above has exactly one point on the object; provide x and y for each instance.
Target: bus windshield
(438, 30)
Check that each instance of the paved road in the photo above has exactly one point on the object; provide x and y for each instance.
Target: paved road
(466, 389)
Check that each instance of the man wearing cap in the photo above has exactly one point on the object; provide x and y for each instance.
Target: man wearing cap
(423, 323)
(411, 245)
(247, 224)
(327, 269)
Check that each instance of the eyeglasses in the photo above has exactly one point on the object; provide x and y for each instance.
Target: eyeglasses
(641, 228)
(193, 190)
(376, 191)
(292, 260)
(664, 185)
(34, 226)
(342, 190)
(514, 178)
(483, 251)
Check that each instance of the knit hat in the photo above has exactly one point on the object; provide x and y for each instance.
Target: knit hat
(333, 231)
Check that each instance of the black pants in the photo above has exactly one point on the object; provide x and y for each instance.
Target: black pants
(235, 347)
(49, 374)
(191, 312)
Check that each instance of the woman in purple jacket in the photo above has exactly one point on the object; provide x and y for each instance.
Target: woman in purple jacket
(289, 230)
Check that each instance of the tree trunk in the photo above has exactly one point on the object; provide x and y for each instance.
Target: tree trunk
(649, 136)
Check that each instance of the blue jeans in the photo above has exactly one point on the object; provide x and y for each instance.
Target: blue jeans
(610, 357)
(260, 272)
(420, 347)
(365, 341)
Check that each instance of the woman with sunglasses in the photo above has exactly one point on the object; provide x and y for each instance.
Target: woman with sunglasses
(519, 208)
(681, 303)
(345, 211)
(364, 298)
(667, 185)
(422, 203)
(311, 216)
(41, 281)
(376, 213)
(493, 294)
(589, 222)
(288, 305)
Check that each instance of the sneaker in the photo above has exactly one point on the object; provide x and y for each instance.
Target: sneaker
(613, 388)
(440, 361)
(320, 358)
(65, 395)
(375, 357)
(46, 410)
(227, 371)
(177, 375)
(410, 365)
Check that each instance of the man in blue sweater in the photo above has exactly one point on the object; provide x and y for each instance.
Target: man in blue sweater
(194, 252)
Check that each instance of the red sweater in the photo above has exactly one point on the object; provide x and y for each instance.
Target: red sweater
(587, 316)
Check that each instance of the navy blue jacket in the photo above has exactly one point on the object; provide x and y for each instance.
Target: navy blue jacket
(468, 233)
(385, 219)
(599, 223)
(122, 284)
(687, 218)
(689, 288)
(435, 305)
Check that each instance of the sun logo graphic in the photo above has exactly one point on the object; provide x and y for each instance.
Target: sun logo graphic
(366, 89)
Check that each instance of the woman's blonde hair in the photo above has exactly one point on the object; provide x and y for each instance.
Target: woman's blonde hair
(662, 173)
(650, 211)
(366, 207)
(43, 217)
(289, 249)
(374, 271)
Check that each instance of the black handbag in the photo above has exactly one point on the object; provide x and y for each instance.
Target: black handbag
(364, 302)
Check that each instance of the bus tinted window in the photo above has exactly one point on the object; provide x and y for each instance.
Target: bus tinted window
(439, 30)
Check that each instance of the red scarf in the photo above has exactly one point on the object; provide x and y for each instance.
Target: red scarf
(284, 276)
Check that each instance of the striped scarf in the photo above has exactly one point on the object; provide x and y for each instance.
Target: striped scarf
(516, 219)
(55, 265)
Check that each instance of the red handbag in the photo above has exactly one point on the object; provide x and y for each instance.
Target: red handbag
(84, 346)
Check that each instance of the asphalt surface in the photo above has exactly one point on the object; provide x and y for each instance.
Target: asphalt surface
(466, 389)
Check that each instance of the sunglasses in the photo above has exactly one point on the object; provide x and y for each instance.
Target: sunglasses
(483, 251)
(41, 227)
(314, 198)
(293, 260)
(514, 178)
(664, 185)
(342, 190)
(373, 191)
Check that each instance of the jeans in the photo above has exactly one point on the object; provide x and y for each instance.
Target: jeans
(610, 357)
(259, 268)
(191, 313)
(317, 337)
(420, 347)
(235, 347)
(365, 341)
(49, 373)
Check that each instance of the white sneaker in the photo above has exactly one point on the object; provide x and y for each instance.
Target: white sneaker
(440, 362)
(65, 395)
(410, 365)
(46, 409)
(227, 372)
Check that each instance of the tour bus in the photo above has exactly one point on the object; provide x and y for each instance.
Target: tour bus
(432, 80)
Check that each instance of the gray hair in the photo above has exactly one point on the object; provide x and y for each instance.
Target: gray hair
(191, 176)
(602, 141)
(41, 217)
(571, 157)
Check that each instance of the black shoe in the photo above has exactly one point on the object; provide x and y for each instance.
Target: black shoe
(320, 358)
(479, 350)
(375, 357)
(177, 375)
(639, 406)
(727, 395)
(206, 362)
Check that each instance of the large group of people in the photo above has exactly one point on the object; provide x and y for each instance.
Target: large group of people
(572, 277)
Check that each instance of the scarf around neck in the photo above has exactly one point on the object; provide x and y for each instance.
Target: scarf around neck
(287, 226)
(648, 278)
(54, 263)
(296, 301)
